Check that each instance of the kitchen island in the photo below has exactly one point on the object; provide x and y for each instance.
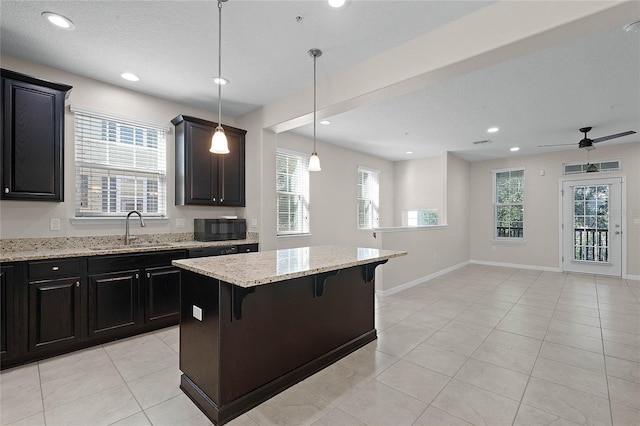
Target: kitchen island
(254, 324)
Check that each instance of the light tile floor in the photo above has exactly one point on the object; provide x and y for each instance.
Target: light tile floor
(481, 345)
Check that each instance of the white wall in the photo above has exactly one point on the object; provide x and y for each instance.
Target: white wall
(333, 194)
(431, 249)
(542, 209)
(418, 185)
(27, 219)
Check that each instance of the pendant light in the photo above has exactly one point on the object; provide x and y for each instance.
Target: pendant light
(314, 160)
(219, 143)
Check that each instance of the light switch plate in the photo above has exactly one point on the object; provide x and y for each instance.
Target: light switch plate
(636, 221)
(54, 224)
(180, 223)
(197, 313)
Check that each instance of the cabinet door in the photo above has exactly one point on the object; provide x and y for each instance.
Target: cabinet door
(32, 136)
(232, 172)
(7, 316)
(200, 185)
(54, 313)
(113, 303)
(162, 294)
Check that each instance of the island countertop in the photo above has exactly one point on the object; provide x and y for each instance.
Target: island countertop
(253, 269)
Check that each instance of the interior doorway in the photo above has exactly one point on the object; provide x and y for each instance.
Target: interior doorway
(592, 226)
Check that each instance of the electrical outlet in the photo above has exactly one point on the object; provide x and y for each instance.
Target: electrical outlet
(54, 224)
(197, 313)
(180, 223)
(254, 223)
(636, 221)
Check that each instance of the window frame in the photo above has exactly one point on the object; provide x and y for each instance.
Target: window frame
(374, 200)
(417, 211)
(495, 204)
(148, 146)
(304, 196)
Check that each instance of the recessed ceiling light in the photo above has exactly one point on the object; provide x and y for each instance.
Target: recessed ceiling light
(409, 152)
(336, 3)
(221, 81)
(514, 149)
(58, 20)
(325, 122)
(129, 76)
(492, 129)
(633, 27)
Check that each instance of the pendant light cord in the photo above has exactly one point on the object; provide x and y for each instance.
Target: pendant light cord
(314, 102)
(219, 63)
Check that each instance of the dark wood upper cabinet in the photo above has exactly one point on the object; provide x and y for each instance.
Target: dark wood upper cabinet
(32, 138)
(203, 178)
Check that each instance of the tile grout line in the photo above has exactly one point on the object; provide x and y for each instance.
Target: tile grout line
(44, 417)
(604, 357)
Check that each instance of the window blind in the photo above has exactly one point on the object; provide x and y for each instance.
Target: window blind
(292, 188)
(368, 198)
(120, 166)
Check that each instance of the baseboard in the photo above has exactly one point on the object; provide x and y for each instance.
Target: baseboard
(420, 280)
(632, 277)
(515, 265)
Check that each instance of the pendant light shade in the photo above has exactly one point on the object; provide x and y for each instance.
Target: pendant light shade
(314, 163)
(219, 143)
(314, 160)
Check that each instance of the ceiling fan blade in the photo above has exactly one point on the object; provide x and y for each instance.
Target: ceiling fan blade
(558, 144)
(617, 135)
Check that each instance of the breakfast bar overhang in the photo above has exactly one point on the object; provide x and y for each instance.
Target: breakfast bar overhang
(254, 324)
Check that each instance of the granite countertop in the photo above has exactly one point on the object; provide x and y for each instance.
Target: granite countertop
(44, 251)
(253, 269)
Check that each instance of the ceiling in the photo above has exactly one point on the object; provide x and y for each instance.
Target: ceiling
(540, 98)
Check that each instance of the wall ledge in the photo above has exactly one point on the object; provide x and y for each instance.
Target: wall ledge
(408, 228)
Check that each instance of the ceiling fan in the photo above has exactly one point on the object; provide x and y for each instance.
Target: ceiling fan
(588, 143)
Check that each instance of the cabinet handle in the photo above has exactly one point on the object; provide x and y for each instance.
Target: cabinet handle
(222, 200)
(6, 190)
(214, 199)
(55, 268)
(148, 275)
(137, 276)
(78, 284)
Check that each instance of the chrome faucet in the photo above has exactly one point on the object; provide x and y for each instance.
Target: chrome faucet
(127, 237)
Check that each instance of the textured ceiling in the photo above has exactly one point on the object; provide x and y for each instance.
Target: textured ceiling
(541, 98)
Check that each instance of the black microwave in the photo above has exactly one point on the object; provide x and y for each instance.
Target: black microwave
(219, 229)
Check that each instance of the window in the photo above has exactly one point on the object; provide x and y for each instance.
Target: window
(120, 166)
(428, 217)
(367, 198)
(604, 166)
(292, 188)
(508, 203)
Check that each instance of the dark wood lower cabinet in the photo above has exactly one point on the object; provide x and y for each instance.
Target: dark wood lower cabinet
(113, 302)
(50, 307)
(162, 294)
(54, 313)
(7, 315)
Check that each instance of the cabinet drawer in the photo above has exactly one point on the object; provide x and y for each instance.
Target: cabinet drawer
(54, 268)
(247, 248)
(108, 263)
(213, 251)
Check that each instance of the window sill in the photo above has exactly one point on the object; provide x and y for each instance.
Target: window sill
(114, 220)
(293, 236)
(508, 241)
